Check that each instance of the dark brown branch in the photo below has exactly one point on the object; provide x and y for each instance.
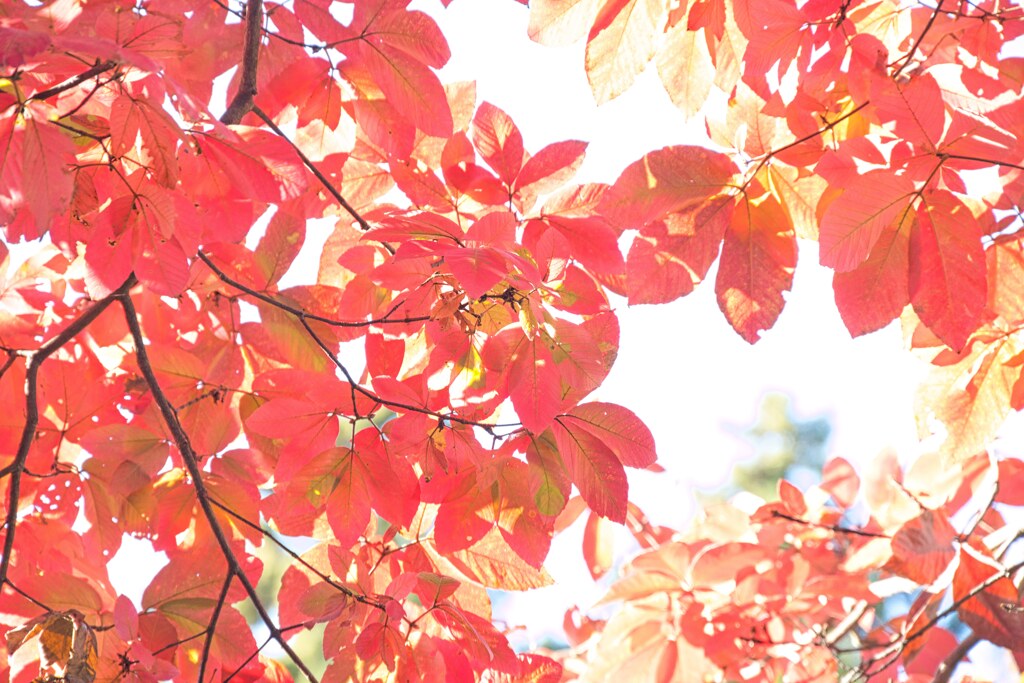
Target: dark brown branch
(12, 356)
(94, 70)
(299, 313)
(949, 664)
(831, 527)
(829, 125)
(981, 160)
(37, 603)
(211, 628)
(188, 455)
(313, 169)
(917, 43)
(242, 102)
(345, 590)
(28, 432)
(394, 404)
(892, 651)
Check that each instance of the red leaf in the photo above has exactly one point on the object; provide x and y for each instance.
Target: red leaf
(618, 429)
(595, 470)
(923, 548)
(533, 384)
(873, 294)
(551, 167)
(410, 87)
(841, 482)
(499, 142)
(855, 220)
(947, 269)
(995, 613)
(674, 179)
(46, 182)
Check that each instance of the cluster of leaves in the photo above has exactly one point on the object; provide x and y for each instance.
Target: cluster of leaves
(161, 380)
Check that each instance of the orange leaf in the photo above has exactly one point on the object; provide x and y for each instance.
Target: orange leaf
(622, 40)
(758, 259)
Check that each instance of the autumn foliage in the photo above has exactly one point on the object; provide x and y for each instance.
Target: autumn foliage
(419, 404)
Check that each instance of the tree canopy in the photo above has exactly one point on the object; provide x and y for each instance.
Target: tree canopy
(412, 425)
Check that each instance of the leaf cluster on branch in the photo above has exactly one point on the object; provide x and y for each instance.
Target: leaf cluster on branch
(419, 406)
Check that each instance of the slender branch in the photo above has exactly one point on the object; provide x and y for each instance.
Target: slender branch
(829, 125)
(313, 169)
(188, 455)
(893, 650)
(28, 432)
(212, 626)
(982, 160)
(299, 313)
(40, 605)
(348, 592)
(831, 527)
(917, 43)
(94, 70)
(394, 404)
(847, 624)
(11, 357)
(242, 103)
(949, 664)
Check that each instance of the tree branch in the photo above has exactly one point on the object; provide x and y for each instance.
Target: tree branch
(394, 404)
(188, 455)
(298, 312)
(211, 628)
(949, 664)
(917, 43)
(313, 169)
(28, 432)
(242, 103)
(94, 70)
(343, 589)
(893, 650)
(831, 527)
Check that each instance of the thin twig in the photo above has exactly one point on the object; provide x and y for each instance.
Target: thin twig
(28, 432)
(395, 404)
(917, 43)
(313, 169)
(348, 592)
(211, 628)
(94, 70)
(831, 527)
(188, 455)
(299, 313)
